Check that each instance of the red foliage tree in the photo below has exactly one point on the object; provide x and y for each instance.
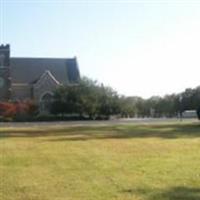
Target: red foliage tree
(10, 110)
(7, 109)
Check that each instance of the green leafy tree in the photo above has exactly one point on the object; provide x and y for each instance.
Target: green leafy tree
(198, 113)
(88, 98)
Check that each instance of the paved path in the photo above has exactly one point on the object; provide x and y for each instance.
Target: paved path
(95, 123)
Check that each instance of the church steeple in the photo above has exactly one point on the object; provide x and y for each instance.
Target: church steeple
(5, 55)
(5, 82)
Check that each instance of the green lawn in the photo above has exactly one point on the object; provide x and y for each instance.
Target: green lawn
(137, 162)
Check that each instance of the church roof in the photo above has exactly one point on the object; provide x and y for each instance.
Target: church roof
(28, 70)
(46, 74)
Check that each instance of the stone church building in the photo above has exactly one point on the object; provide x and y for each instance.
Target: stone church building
(34, 78)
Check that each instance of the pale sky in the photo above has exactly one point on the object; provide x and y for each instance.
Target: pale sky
(140, 48)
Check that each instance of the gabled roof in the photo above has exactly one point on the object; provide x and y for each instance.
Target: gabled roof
(46, 75)
(27, 70)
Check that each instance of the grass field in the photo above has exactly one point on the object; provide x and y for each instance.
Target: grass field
(137, 162)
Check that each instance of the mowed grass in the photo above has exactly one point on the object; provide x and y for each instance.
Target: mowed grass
(137, 162)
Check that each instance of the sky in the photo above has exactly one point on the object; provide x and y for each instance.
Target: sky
(139, 48)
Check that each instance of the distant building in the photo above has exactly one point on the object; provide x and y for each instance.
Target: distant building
(189, 114)
(34, 78)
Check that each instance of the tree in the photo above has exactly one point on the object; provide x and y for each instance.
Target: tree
(198, 113)
(88, 98)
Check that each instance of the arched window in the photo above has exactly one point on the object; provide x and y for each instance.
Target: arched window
(45, 102)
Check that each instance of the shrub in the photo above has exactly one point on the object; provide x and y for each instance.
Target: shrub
(19, 111)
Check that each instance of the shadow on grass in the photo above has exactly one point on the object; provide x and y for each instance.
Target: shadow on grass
(165, 131)
(175, 193)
